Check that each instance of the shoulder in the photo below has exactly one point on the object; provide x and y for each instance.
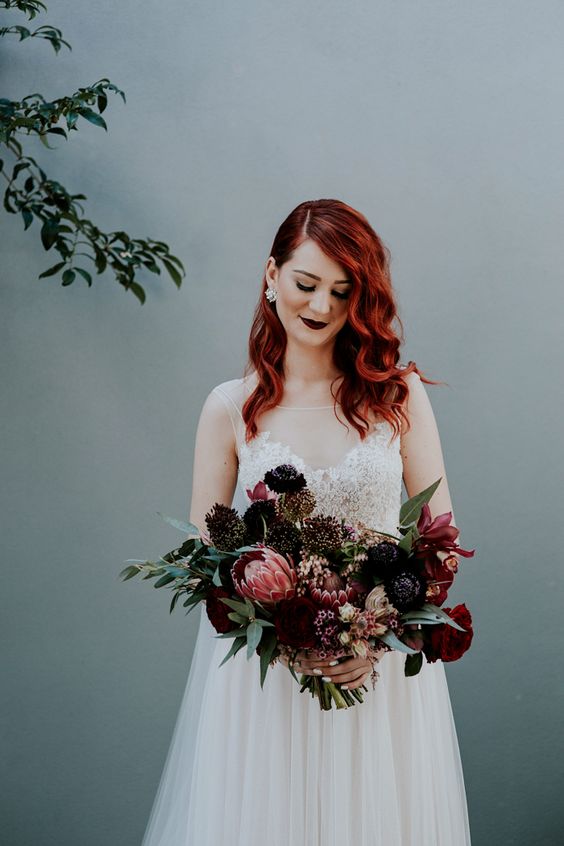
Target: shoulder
(416, 404)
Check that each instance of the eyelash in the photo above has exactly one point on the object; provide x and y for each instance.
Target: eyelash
(337, 294)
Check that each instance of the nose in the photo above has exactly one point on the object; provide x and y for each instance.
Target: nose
(320, 303)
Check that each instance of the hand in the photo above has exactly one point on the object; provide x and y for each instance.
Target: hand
(350, 672)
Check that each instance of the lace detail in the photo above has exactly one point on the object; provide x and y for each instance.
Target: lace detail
(363, 484)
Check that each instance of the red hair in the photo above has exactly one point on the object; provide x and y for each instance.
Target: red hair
(366, 350)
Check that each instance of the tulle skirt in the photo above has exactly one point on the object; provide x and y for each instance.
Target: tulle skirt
(252, 766)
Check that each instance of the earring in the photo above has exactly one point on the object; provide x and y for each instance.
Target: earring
(270, 294)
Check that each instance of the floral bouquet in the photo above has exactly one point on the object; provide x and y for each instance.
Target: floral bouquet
(279, 579)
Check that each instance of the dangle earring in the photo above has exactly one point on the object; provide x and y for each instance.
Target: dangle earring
(270, 294)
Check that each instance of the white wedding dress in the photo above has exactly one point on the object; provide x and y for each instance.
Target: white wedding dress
(267, 767)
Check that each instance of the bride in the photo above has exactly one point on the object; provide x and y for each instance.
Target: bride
(323, 390)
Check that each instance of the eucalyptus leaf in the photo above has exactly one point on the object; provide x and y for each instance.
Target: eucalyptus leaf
(254, 634)
(410, 511)
(237, 618)
(237, 644)
(232, 633)
(164, 580)
(188, 528)
(236, 605)
(268, 645)
(390, 639)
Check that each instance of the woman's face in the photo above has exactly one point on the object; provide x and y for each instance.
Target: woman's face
(310, 287)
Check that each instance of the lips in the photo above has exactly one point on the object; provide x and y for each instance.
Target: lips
(313, 324)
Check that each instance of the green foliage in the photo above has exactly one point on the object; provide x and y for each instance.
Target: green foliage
(63, 226)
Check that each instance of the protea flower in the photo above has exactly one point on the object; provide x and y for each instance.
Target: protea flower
(333, 593)
(262, 574)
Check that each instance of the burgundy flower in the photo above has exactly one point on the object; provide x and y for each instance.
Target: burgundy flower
(446, 643)
(217, 610)
(294, 620)
(437, 535)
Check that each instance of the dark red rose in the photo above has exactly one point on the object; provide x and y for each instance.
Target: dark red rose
(447, 643)
(293, 621)
(217, 611)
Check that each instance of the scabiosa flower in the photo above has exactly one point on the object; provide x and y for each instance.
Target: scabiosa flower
(297, 505)
(321, 534)
(383, 558)
(258, 510)
(405, 589)
(225, 527)
(283, 536)
(285, 479)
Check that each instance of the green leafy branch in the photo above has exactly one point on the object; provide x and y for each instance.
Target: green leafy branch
(49, 33)
(29, 192)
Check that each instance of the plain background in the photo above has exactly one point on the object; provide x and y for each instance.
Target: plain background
(443, 123)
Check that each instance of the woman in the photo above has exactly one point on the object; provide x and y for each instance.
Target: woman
(252, 766)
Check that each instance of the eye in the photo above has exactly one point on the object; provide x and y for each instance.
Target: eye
(338, 294)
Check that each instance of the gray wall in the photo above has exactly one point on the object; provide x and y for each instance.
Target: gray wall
(442, 122)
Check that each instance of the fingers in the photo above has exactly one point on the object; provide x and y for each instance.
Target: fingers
(351, 672)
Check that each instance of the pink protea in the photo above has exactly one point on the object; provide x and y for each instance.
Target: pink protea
(333, 595)
(264, 575)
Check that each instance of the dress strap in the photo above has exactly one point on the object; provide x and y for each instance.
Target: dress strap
(234, 412)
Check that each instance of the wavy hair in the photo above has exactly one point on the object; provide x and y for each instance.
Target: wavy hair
(366, 350)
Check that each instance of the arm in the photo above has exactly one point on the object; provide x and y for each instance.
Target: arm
(421, 450)
(214, 475)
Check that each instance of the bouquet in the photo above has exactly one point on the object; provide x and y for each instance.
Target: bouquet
(279, 579)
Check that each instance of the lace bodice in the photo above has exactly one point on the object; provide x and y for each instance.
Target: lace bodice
(350, 477)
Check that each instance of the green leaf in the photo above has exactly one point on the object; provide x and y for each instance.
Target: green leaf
(236, 605)
(442, 615)
(85, 275)
(413, 664)
(237, 644)
(216, 579)
(254, 634)
(27, 218)
(49, 232)
(391, 640)
(137, 290)
(164, 580)
(93, 117)
(68, 277)
(237, 618)
(129, 572)
(411, 509)
(268, 645)
(52, 270)
(173, 272)
(187, 528)
(232, 633)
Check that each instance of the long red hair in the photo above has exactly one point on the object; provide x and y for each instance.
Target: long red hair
(366, 350)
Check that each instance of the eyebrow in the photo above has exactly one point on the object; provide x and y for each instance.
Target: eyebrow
(313, 276)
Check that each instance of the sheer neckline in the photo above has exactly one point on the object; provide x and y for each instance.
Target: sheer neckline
(301, 464)
(304, 407)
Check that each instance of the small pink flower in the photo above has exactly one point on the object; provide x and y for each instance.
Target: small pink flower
(260, 491)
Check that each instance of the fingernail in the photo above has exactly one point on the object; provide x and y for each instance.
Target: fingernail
(344, 687)
(317, 670)
(326, 678)
(332, 663)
